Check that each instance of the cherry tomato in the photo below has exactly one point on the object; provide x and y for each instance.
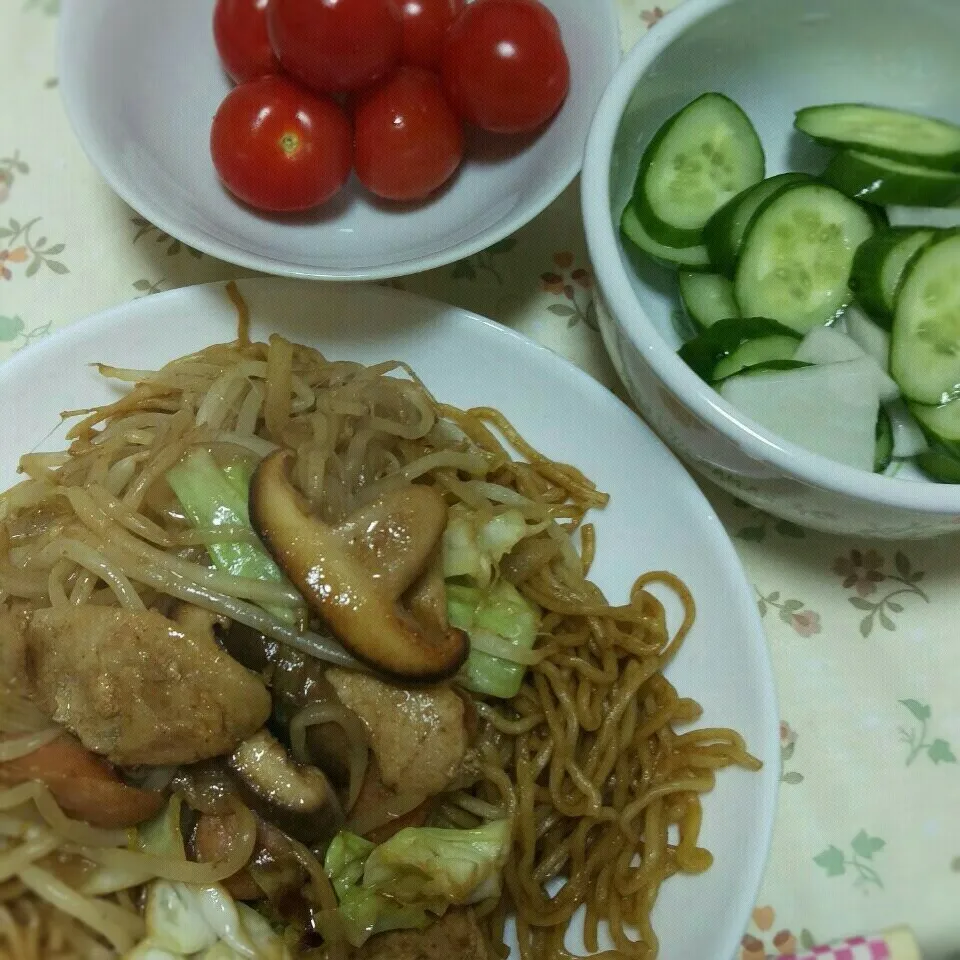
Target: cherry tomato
(240, 33)
(334, 46)
(425, 24)
(279, 147)
(504, 66)
(409, 141)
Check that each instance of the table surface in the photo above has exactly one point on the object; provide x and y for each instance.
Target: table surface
(863, 637)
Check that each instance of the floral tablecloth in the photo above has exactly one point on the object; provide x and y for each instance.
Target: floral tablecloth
(865, 638)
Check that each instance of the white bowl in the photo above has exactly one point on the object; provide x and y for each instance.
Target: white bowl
(772, 57)
(657, 519)
(141, 82)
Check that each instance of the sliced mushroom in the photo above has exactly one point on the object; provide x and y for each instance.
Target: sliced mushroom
(297, 798)
(395, 536)
(338, 587)
(427, 598)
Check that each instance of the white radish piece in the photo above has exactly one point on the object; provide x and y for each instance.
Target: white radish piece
(823, 345)
(908, 438)
(943, 217)
(872, 339)
(830, 409)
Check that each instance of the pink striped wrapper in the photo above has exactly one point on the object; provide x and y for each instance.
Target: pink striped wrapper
(896, 944)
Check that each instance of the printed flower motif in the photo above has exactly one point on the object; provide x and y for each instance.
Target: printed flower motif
(16, 255)
(653, 16)
(860, 570)
(569, 283)
(792, 612)
(783, 944)
(864, 571)
(805, 622)
(788, 743)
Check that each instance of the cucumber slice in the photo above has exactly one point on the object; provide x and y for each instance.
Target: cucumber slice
(831, 409)
(689, 257)
(795, 263)
(724, 232)
(873, 340)
(707, 298)
(907, 137)
(753, 353)
(941, 424)
(925, 343)
(883, 450)
(940, 465)
(704, 352)
(699, 159)
(879, 266)
(884, 181)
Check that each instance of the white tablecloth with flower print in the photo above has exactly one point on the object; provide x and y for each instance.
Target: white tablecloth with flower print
(865, 639)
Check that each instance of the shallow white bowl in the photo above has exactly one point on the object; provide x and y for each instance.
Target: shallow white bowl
(772, 57)
(141, 82)
(657, 518)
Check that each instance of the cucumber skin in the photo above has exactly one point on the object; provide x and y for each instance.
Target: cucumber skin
(705, 351)
(949, 162)
(867, 267)
(718, 237)
(852, 174)
(702, 265)
(883, 454)
(658, 230)
(939, 465)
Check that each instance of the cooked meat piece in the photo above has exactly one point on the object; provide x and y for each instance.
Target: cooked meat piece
(418, 736)
(196, 619)
(140, 689)
(367, 815)
(13, 651)
(455, 936)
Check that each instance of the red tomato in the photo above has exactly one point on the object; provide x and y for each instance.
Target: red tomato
(279, 147)
(409, 141)
(504, 66)
(425, 24)
(240, 33)
(334, 46)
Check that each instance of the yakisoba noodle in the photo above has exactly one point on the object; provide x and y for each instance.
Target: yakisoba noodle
(589, 759)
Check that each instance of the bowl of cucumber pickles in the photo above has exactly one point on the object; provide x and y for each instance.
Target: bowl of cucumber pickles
(771, 196)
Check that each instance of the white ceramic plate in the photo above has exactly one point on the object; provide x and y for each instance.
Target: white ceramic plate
(657, 518)
(141, 82)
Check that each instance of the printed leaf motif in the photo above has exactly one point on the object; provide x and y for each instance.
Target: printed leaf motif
(832, 861)
(787, 529)
(866, 846)
(762, 607)
(503, 246)
(861, 604)
(561, 310)
(792, 778)
(920, 710)
(886, 622)
(806, 939)
(894, 606)
(939, 752)
(10, 328)
(752, 534)
(866, 626)
(902, 563)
